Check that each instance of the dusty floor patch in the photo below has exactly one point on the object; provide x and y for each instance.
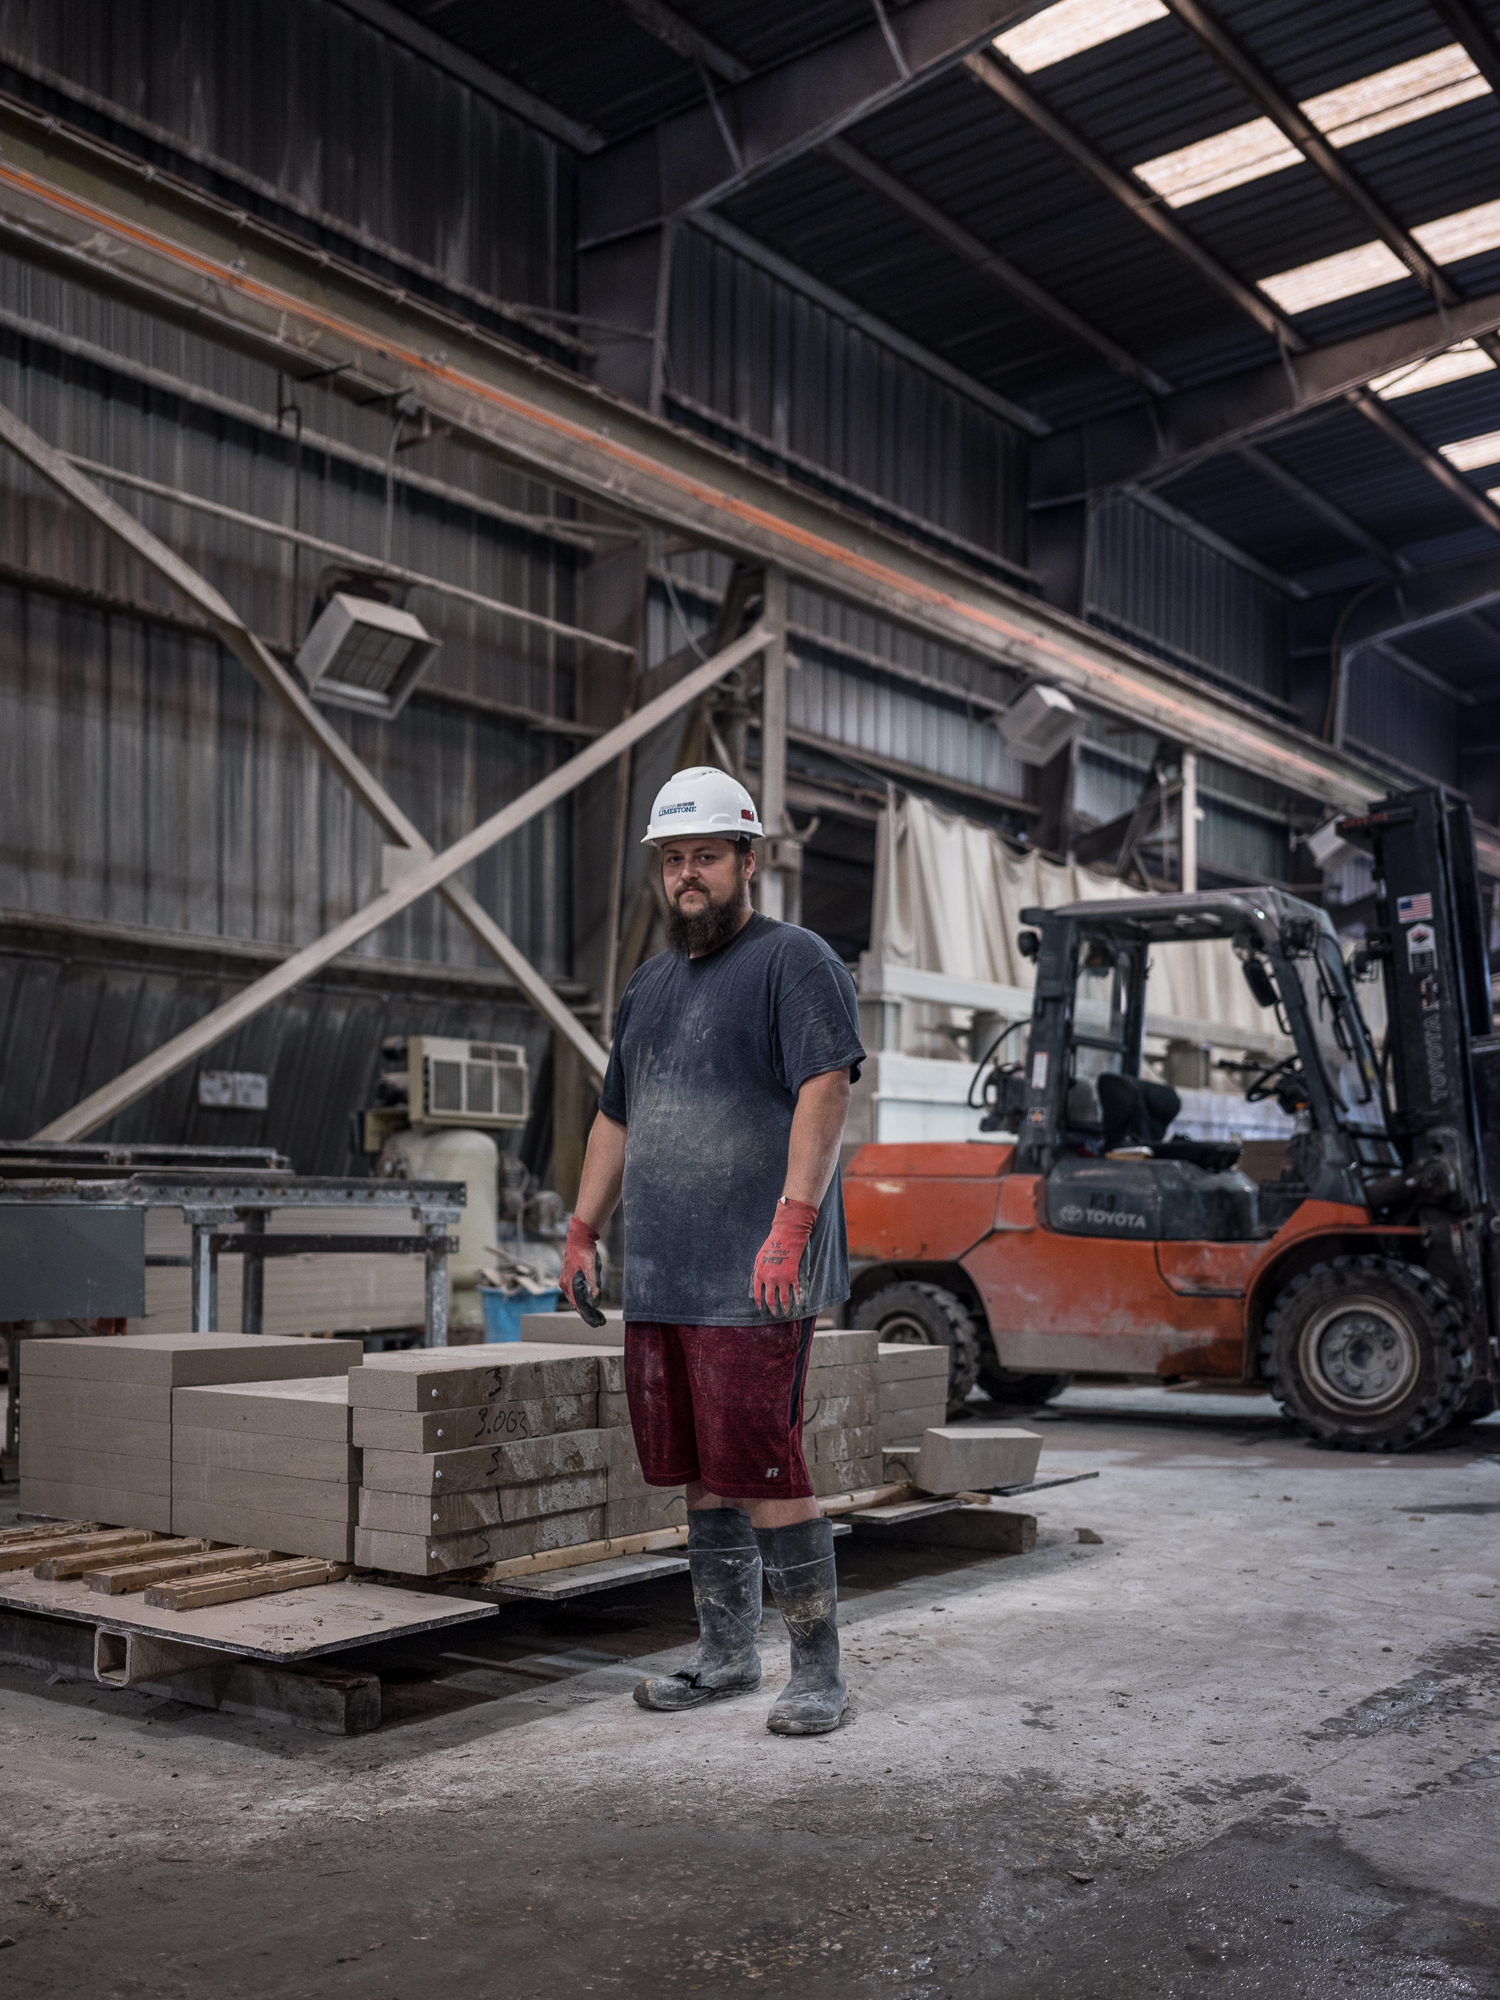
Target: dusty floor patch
(1245, 1744)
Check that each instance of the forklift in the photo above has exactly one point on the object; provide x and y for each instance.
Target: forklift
(1358, 1287)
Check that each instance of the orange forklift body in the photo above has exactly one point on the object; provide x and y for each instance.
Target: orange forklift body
(1059, 1304)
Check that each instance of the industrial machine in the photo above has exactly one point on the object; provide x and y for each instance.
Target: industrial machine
(1359, 1286)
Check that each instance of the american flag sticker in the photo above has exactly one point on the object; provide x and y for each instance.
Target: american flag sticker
(1414, 909)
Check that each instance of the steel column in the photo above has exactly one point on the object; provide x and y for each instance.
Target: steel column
(435, 1288)
(1187, 814)
(253, 1279)
(772, 880)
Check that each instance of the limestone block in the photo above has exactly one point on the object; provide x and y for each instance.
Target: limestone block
(317, 1407)
(486, 1507)
(641, 1513)
(956, 1458)
(486, 1465)
(421, 1555)
(65, 1500)
(176, 1360)
(905, 1361)
(839, 1347)
(846, 1413)
(288, 1534)
(434, 1378)
(259, 1493)
(501, 1421)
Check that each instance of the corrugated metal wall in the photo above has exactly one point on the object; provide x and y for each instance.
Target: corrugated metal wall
(798, 378)
(325, 108)
(842, 691)
(1408, 724)
(1155, 585)
(159, 785)
(76, 1009)
(144, 780)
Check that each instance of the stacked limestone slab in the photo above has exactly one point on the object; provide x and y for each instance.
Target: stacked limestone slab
(477, 1455)
(267, 1465)
(841, 1412)
(631, 1507)
(568, 1327)
(96, 1413)
(841, 1437)
(913, 1391)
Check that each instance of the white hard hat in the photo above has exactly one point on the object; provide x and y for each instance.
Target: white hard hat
(703, 800)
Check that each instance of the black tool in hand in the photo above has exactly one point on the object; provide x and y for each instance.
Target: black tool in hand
(586, 1301)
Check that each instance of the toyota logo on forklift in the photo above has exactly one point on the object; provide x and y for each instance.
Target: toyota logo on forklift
(1087, 1240)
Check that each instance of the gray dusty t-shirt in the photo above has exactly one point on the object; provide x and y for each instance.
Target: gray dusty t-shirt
(708, 1057)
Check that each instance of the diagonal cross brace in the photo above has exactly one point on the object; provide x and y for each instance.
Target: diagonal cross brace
(237, 637)
(431, 872)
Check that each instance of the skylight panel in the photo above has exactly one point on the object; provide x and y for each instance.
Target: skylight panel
(1227, 160)
(1355, 111)
(1467, 234)
(1468, 358)
(1468, 453)
(1391, 97)
(1071, 27)
(1336, 277)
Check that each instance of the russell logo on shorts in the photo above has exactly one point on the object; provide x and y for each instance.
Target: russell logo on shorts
(773, 1472)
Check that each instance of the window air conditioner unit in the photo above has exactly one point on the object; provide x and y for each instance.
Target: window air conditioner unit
(479, 1084)
(366, 655)
(1039, 723)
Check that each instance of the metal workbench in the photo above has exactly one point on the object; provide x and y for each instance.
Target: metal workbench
(226, 1209)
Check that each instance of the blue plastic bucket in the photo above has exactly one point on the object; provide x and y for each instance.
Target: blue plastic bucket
(502, 1315)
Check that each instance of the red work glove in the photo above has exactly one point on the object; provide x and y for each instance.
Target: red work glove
(780, 1256)
(580, 1255)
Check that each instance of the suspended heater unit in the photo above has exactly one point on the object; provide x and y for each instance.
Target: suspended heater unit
(480, 1084)
(1039, 724)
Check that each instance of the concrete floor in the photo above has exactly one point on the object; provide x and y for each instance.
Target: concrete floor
(1247, 1744)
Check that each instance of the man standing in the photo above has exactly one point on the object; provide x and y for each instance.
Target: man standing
(721, 1115)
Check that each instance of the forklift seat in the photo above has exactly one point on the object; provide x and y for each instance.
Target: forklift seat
(1137, 1112)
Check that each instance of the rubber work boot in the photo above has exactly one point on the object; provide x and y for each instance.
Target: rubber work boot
(724, 1561)
(800, 1571)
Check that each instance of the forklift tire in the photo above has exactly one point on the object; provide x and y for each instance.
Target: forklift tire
(928, 1316)
(1367, 1354)
(1004, 1385)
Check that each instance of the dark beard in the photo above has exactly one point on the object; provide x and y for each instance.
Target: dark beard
(695, 936)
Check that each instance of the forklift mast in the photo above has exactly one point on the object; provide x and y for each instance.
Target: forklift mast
(1441, 1050)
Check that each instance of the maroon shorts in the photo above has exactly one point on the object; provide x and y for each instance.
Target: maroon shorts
(722, 1404)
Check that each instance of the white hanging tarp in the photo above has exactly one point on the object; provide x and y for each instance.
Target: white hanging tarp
(948, 899)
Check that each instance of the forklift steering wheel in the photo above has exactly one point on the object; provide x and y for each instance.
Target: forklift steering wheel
(1284, 1077)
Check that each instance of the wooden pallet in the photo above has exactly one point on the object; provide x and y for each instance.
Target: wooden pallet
(50, 1569)
(26, 1554)
(231, 1586)
(122, 1578)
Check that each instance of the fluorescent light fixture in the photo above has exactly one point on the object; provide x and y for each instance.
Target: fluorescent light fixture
(1467, 453)
(1071, 27)
(1468, 358)
(1355, 111)
(1446, 241)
